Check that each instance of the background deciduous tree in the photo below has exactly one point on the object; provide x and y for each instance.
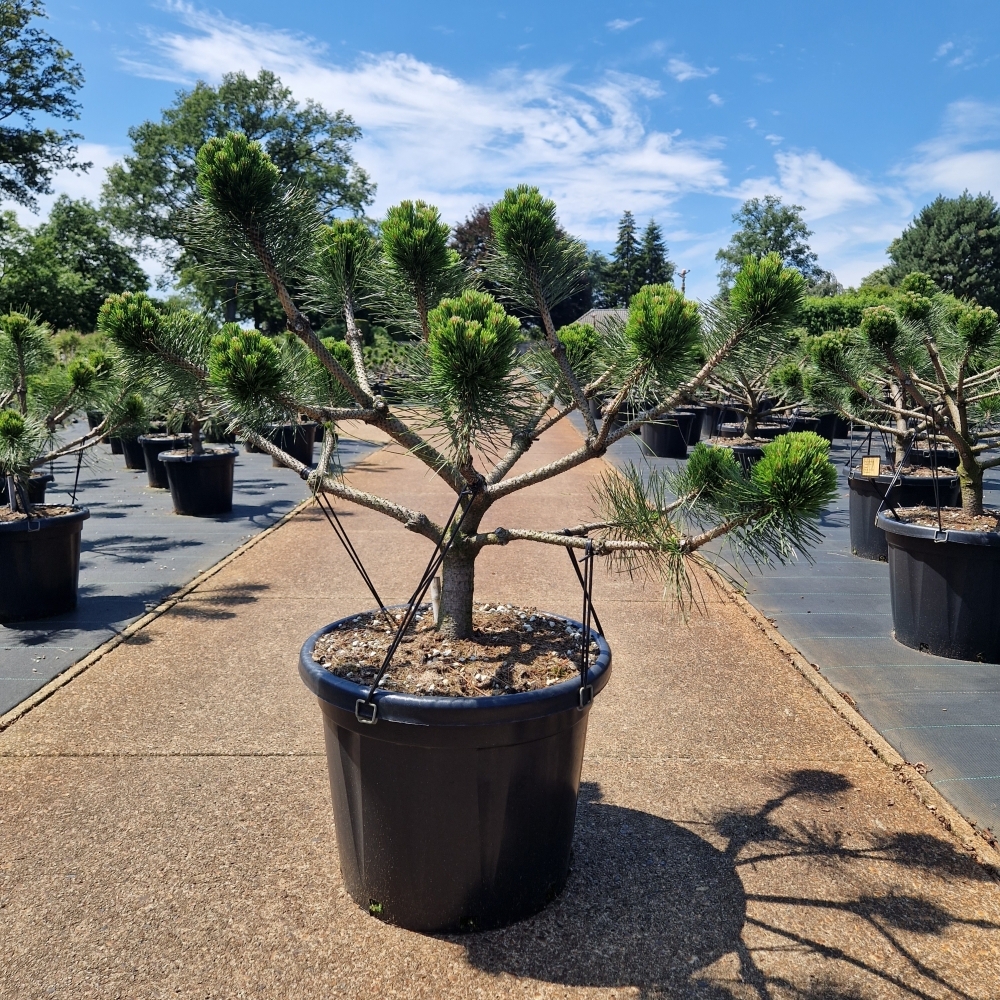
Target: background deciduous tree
(37, 77)
(147, 195)
(766, 225)
(63, 270)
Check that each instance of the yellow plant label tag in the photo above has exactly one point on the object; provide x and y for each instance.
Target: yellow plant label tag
(871, 465)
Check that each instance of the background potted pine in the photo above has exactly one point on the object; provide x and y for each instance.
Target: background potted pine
(455, 763)
(39, 543)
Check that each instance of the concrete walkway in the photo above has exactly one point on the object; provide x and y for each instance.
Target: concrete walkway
(135, 551)
(940, 712)
(167, 829)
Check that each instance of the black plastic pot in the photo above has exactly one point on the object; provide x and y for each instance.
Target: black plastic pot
(135, 458)
(748, 455)
(669, 436)
(867, 494)
(454, 813)
(41, 565)
(701, 426)
(832, 426)
(295, 439)
(35, 491)
(796, 424)
(944, 458)
(152, 445)
(945, 590)
(116, 446)
(201, 485)
(94, 418)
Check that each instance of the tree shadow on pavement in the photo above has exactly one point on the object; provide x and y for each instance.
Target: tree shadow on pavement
(650, 905)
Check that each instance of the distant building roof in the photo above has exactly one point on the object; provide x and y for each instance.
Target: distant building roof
(599, 318)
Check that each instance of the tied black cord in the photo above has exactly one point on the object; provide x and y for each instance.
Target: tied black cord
(583, 585)
(433, 565)
(76, 481)
(588, 608)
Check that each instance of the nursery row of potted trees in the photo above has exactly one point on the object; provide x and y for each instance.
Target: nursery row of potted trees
(455, 796)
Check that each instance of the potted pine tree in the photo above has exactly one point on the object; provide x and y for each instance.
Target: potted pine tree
(200, 477)
(455, 771)
(944, 563)
(40, 543)
(853, 377)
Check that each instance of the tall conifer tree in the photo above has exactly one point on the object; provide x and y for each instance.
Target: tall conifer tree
(654, 265)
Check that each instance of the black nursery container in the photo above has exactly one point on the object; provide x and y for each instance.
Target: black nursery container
(670, 436)
(152, 445)
(135, 458)
(867, 493)
(833, 427)
(945, 590)
(201, 485)
(35, 490)
(748, 455)
(454, 813)
(41, 565)
(295, 439)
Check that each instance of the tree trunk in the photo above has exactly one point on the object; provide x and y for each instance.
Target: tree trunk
(230, 300)
(458, 579)
(970, 478)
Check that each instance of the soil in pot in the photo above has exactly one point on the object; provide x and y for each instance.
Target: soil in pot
(765, 432)
(915, 486)
(455, 813)
(945, 583)
(152, 445)
(201, 485)
(40, 557)
(512, 650)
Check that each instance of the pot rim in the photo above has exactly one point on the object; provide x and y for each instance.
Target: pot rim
(291, 423)
(956, 535)
(227, 451)
(157, 438)
(884, 480)
(422, 710)
(79, 514)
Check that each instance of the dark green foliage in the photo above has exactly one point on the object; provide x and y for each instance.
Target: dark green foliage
(956, 243)
(795, 477)
(524, 223)
(11, 426)
(415, 240)
(766, 226)
(913, 307)
(880, 327)
(581, 341)
(237, 177)
(65, 269)
(345, 259)
(786, 379)
(37, 77)
(655, 267)
(977, 326)
(245, 366)
(663, 327)
(472, 351)
(766, 292)
(132, 321)
(920, 284)
(710, 472)
(625, 272)
(839, 312)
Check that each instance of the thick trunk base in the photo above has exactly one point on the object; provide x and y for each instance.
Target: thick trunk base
(458, 579)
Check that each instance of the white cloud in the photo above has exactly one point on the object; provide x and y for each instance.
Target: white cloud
(773, 139)
(716, 100)
(960, 157)
(432, 135)
(752, 122)
(619, 25)
(944, 49)
(683, 71)
(821, 186)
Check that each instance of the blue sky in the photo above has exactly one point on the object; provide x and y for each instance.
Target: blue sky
(859, 112)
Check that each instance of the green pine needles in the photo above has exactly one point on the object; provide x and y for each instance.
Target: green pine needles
(468, 371)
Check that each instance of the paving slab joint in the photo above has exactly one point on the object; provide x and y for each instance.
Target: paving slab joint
(20, 710)
(970, 839)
